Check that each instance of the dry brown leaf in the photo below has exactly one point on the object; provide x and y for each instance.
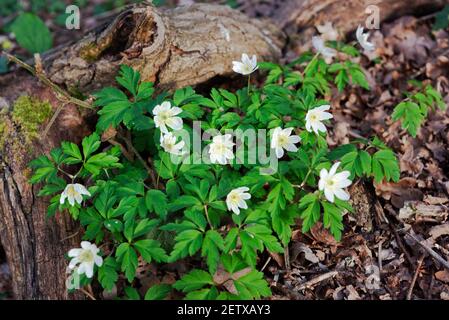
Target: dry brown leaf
(322, 235)
(440, 230)
(399, 192)
(442, 275)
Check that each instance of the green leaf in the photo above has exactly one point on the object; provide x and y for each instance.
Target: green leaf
(128, 78)
(144, 226)
(72, 151)
(332, 219)
(107, 274)
(385, 165)
(101, 161)
(441, 19)
(158, 292)
(108, 95)
(341, 80)
(90, 144)
(150, 250)
(252, 285)
(156, 201)
(194, 280)
(410, 115)
(127, 256)
(309, 206)
(132, 293)
(188, 242)
(31, 33)
(44, 169)
(212, 244)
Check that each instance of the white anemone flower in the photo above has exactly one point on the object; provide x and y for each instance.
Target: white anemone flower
(333, 183)
(236, 199)
(327, 53)
(315, 117)
(328, 33)
(168, 142)
(85, 258)
(362, 38)
(246, 66)
(165, 116)
(220, 150)
(73, 192)
(283, 139)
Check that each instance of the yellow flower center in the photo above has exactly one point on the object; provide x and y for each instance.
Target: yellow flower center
(71, 191)
(86, 256)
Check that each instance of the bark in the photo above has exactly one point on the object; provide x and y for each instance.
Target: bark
(174, 48)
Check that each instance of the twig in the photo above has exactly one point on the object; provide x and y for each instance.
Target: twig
(317, 280)
(266, 264)
(61, 94)
(379, 258)
(287, 258)
(71, 236)
(433, 253)
(52, 120)
(415, 276)
(87, 294)
(398, 239)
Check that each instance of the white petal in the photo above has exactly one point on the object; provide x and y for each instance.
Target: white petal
(82, 268)
(78, 198)
(175, 111)
(74, 252)
(279, 152)
(86, 245)
(294, 139)
(334, 168)
(165, 106)
(344, 183)
(291, 147)
(246, 196)
(321, 184)
(73, 263)
(341, 194)
(318, 126)
(175, 123)
(71, 200)
(98, 261)
(89, 270)
(63, 197)
(329, 194)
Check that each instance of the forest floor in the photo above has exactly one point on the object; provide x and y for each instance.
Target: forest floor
(396, 245)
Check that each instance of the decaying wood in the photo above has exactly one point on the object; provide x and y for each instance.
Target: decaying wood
(174, 48)
(195, 43)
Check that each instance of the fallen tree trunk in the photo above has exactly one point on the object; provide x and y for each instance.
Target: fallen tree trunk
(179, 47)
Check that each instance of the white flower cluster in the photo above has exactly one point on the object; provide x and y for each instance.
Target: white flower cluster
(166, 116)
(329, 33)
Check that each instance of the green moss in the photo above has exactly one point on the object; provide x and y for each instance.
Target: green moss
(29, 113)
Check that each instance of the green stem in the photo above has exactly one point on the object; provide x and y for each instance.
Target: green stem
(308, 65)
(207, 216)
(249, 83)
